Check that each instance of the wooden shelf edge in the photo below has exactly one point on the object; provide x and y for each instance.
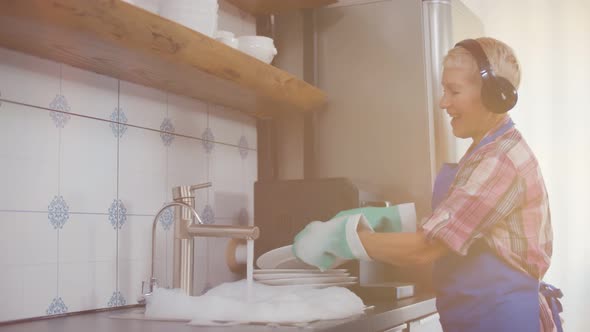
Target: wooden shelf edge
(114, 38)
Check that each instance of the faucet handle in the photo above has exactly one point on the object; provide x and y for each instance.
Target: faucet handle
(200, 186)
(181, 192)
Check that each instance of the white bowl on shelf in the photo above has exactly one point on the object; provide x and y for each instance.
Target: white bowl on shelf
(260, 47)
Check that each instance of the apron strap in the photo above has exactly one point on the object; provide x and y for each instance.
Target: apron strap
(552, 295)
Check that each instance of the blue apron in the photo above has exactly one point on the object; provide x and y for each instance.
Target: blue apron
(479, 292)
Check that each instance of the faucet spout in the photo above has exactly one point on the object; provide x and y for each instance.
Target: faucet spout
(157, 217)
(234, 232)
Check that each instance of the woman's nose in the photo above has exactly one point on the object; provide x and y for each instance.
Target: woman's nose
(444, 102)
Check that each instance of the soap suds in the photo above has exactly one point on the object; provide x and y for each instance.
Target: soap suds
(268, 304)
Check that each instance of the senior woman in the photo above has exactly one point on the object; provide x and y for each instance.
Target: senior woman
(490, 234)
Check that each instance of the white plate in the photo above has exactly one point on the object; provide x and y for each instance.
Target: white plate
(308, 281)
(306, 271)
(271, 276)
(283, 258)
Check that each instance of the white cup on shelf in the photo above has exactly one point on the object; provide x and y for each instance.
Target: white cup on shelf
(260, 47)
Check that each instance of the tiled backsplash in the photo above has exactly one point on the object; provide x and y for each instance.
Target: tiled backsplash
(80, 188)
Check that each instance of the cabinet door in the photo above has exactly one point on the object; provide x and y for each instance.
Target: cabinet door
(426, 324)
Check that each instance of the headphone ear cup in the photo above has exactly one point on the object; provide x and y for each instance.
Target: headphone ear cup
(498, 94)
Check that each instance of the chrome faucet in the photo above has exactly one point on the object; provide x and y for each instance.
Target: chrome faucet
(187, 225)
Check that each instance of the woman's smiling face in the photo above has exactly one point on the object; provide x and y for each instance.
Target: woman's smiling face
(462, 101)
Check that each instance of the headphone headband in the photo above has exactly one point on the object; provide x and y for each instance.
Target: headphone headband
(483, 64)
(497, 93)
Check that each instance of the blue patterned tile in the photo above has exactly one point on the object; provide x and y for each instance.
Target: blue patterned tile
(167, 131)
(58, 212)
(116, 300)
(208, 140)
(119, 126)
(60, 103)
(243, 217)
(117, 214)
(243, 146)
(57, 306)
(208, 216)
(167, 218)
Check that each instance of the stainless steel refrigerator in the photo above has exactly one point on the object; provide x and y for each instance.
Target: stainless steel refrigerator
(380, 64)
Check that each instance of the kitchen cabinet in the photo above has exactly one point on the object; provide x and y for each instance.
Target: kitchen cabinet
(117, 39)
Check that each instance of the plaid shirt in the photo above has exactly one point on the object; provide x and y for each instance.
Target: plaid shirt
(499, 195)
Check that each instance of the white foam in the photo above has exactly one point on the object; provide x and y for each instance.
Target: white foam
(269, 304)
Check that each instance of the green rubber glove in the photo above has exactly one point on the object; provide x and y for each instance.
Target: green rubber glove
(387, 219)
(326, 244)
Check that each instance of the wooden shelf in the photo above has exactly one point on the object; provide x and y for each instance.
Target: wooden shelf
(265, 7)
(114, 38)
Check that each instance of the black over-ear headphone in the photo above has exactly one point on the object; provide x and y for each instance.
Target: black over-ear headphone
(497, 93)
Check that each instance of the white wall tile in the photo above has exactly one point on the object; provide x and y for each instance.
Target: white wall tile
(27, 290)
(87, 238)
(88, 165)
(227, 174)
(228, 125)
(28, 79)
(135, 238)
(89, 93)
(27, 238)
(189, 116)
(87, 285)
(142, 171)
(163, 260)
(131, 273)
(143, 106)
(11, 288)
(29, 158)
(187, 163)
(39, 288)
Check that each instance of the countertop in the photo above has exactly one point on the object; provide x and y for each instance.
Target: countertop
(384, 315)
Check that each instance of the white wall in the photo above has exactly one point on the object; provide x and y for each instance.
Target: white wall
(63, 247)
(551, 41)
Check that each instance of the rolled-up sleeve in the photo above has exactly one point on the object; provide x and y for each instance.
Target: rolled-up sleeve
(486, 190)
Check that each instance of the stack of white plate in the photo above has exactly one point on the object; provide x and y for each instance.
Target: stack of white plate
(279, 267)
(304, 277)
